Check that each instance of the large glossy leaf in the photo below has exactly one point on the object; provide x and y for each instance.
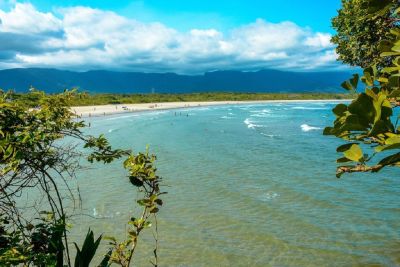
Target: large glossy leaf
(354, 153)
(340, 109)
(347, 85)
(391, 160)
(387, 147)
(354, 81)
(364, 109)
(345, 147)
(328, 131)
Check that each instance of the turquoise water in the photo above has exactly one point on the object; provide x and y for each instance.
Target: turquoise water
(248, 185)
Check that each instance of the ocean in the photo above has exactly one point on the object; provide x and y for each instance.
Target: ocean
(248, 185)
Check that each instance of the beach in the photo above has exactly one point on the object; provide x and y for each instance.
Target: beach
(102, 110)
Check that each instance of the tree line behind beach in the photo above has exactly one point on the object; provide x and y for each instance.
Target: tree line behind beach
(86, 99)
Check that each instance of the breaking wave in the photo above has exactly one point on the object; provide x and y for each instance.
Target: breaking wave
(307, 128)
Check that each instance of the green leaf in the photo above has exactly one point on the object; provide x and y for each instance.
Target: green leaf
(378, 128)
(394, 139)
(345, 147)
(363, 108)
(394, 81)
(147, 225)
(106, 259)
(89, 248)
(132, 233)
(383, 80)
(159, 201)
(135, 181)
(378, 102)
(369, 74)
(354, 81)
(340, 109)
(390, 160)
(347, 85)
(392, 142)
(9, 151)
(387, 147)
(343, 160)
(354, 153)
(389, 54)
(371, 94)
(396, 48)
(328, 131)
(110, 238)
(391, 69)
(154, 210)
(385, 46)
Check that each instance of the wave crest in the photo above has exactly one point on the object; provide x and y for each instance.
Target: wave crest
(307, 128)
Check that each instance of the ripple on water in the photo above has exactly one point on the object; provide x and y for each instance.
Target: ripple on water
(238, 198)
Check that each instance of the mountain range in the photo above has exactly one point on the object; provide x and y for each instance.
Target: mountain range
(102, 81)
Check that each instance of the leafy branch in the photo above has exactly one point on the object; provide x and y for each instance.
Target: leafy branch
(142, 174)
(368, 120)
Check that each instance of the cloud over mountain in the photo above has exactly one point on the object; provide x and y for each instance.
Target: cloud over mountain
(82, 38)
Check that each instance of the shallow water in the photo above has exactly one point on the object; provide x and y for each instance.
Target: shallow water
(248, 185)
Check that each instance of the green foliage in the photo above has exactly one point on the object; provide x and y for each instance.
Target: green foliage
(369, 122)
(38, 245)
(85, 255)
(106, 99)
(103, 151)
(142, 174)
(361, 27)
(32, 156)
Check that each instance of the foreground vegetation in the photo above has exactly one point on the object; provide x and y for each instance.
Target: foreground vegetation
(32, 159)
(104, 99)
(369, 37)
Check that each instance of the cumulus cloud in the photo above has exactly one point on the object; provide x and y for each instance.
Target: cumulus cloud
(24, 18)
(83, 38)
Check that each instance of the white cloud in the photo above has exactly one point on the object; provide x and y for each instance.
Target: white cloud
(84, 38)
(319, 40)
(24, 18)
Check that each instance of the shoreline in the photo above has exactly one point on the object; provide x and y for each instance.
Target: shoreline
(111, 109)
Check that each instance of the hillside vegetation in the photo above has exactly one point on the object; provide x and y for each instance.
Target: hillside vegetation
(263, 81)
(104, 99)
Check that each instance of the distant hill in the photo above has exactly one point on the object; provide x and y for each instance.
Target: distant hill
(53, 80)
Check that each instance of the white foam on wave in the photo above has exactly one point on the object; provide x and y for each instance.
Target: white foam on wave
(98, 215)
(261, 111)
(247, 107)
(268, 135)
(250, 124)
(152, 113)
(269, 196)
(260, 115)
(307, 128)
(121, 117)
(226, 117)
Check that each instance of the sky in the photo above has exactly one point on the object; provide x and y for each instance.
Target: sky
(168, 36)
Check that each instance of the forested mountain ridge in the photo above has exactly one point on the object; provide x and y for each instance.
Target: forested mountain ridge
(102, 81)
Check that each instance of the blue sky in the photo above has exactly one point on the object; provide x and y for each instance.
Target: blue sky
(160, 35)
(222, 14)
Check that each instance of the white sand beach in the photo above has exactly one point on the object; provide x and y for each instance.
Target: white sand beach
(102, 110)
